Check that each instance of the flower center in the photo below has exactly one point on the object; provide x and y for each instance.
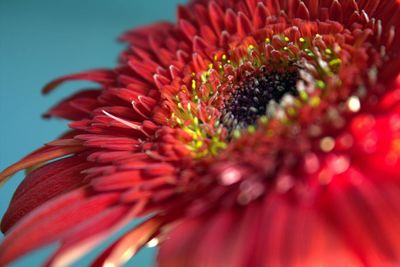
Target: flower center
(251, 98)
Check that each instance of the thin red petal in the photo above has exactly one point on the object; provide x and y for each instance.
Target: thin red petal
(102, 76)
(93, 231)
(52, 221)
(45, 154)
(43, 184)
(128, 245)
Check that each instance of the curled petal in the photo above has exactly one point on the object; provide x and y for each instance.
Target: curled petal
(102, 76)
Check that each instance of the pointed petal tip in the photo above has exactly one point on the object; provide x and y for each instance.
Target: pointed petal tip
(37, 158)
(102, 76)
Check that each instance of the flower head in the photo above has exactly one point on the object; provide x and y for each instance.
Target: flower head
(253, 133)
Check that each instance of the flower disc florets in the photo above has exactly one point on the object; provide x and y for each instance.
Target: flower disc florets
(252, 98)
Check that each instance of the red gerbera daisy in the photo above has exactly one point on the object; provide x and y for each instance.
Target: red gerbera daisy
(252, 133)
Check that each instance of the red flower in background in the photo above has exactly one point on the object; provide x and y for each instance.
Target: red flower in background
(252, 133)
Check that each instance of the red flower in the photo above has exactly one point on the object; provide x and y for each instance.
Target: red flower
(253, 133)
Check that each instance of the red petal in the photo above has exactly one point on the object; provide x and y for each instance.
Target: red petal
(120, 180)
(366, 217)
(233, 241)
(356, 227)
(90, 233)
(244, 25)
(102, 76)
(377, 143)
(51, 221)
(140, 36)
(188, 29)
(42, 155)
(76, 107)
(216, 17)
(43, 184)
(129, 244)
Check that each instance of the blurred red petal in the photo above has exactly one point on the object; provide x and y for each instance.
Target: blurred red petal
(42, 155)
(43, 184)
(102, 76)
(129, 244)
(93, 231)
(76, 107)
(54, 220)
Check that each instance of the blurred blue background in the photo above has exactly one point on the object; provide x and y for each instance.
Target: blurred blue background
(44, 39)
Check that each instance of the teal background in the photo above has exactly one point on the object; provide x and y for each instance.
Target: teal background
(44, 39)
